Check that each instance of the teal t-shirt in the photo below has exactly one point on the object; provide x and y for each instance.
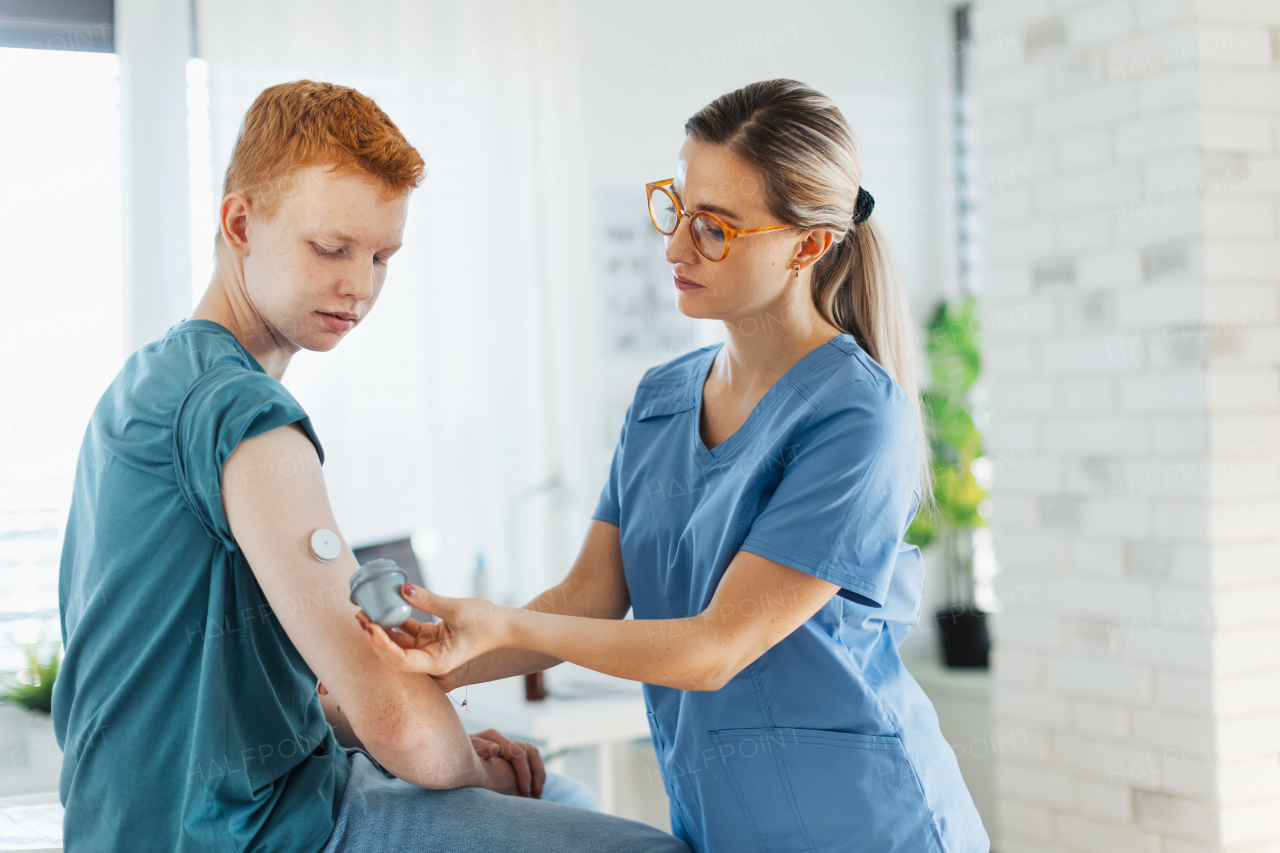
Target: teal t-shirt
(188, 720)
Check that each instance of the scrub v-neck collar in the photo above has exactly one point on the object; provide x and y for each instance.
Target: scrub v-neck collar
(767, 401)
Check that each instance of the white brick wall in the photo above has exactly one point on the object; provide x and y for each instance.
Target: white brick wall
(1132, 290)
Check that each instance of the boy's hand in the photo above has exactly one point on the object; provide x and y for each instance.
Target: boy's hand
(525, 759)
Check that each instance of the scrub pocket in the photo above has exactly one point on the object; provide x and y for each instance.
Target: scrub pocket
(816, 790)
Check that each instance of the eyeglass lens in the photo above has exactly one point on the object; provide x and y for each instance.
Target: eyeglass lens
(663, 210)
(707, 235)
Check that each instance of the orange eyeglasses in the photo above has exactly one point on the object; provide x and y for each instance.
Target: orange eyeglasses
(711, 235)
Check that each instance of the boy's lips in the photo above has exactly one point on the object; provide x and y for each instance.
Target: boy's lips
(339, 321)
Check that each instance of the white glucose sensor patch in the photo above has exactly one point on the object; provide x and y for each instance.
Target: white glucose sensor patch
(325, 545)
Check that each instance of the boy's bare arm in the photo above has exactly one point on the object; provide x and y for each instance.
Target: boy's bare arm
(274, 496)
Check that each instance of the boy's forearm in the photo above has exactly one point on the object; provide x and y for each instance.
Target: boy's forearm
(421, 740)
(437, 771)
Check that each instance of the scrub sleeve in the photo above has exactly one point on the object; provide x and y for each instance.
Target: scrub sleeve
(839, 511)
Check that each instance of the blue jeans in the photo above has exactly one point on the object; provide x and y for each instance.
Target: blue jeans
(380, 812)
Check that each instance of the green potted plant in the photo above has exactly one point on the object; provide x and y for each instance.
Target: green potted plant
(35, 692)
(954, 365)
(31, 760)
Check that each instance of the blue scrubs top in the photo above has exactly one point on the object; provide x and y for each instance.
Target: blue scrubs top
(825, 742)
(187, 718)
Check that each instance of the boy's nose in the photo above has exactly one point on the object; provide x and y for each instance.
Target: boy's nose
(359, 281)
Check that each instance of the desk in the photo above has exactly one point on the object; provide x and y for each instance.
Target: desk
(593, 710)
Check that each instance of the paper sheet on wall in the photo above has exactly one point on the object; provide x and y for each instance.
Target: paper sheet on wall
(639, 318)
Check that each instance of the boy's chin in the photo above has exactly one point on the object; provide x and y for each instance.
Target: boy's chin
(317, 340)
(322, 343)
(319, 337)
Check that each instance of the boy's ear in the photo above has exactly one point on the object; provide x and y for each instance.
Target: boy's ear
(234, 215)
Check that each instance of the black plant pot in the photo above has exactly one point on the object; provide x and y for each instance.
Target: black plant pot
(963, 631)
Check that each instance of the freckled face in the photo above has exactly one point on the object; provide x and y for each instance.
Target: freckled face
(314, 270)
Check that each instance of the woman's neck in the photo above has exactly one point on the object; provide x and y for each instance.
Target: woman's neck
(760, 347)
(226, 302)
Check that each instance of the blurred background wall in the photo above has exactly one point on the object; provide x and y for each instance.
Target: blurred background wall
(1132, 347)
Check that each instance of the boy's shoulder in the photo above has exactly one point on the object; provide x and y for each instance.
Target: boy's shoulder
(186, 353)
(136, 415)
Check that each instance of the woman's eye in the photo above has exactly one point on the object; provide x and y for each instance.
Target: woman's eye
(325, 250)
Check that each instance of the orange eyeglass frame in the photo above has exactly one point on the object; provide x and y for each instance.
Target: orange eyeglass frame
(729, 231)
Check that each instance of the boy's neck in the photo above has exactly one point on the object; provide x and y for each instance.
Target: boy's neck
(226, 303)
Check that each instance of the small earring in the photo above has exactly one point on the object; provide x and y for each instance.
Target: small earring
(796, 267)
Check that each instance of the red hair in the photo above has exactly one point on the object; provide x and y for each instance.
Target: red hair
(303, 123)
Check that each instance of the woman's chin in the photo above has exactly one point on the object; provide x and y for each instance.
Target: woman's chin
(695, 305)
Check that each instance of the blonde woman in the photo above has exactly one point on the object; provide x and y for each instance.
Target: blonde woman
(754, 515)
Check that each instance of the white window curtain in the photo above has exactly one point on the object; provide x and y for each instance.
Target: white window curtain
(464, 403)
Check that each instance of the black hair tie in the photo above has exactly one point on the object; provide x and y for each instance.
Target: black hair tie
(862, 207)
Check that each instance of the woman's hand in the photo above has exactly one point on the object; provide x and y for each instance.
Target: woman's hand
(454, 679)
(468, 628)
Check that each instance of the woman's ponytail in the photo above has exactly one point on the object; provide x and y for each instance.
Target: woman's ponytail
(856, 288)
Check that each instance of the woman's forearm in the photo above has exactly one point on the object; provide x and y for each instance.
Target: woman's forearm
(757, 604)
(565, 599)
(499, 663)
(690, 654)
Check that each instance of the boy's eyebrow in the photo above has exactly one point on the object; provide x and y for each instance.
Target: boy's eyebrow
(346, 238)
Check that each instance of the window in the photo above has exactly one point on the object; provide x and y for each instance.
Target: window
(61, 288)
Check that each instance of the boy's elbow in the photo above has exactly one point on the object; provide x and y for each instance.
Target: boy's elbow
(390, 735)
(410, 747)
(393, 727)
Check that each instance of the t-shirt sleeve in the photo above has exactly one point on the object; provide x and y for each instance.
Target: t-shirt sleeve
(848, 492)
(224, 407)
(609, 507)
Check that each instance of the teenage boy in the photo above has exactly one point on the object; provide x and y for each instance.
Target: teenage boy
(196, 617)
